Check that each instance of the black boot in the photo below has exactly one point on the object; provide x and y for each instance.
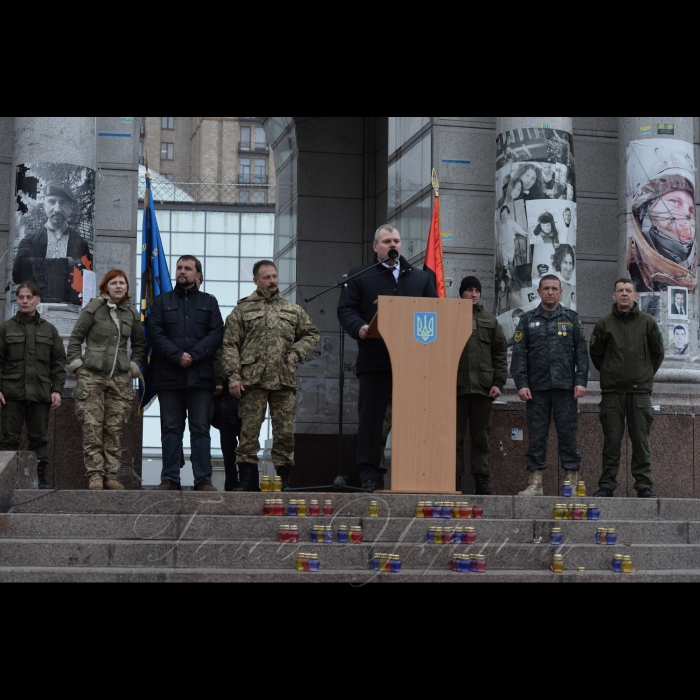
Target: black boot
(232, 481)
(249, 479)
(483, 485)
(41, 472)
(286, 474)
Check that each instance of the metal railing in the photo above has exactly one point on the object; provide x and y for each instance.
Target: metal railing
(257, 191)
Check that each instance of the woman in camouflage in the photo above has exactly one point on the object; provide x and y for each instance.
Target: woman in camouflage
(104, 395)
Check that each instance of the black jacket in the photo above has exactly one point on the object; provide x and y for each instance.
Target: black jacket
(52, 276)
(185, 321)
(360, 308)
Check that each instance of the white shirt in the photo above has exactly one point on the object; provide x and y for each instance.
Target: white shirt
(396, 269)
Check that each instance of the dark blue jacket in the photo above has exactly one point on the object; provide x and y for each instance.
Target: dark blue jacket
(550, 351)
(360, 308)
(185, 321)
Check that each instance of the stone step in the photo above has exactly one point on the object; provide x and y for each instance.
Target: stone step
(351, 505)
(23, 574)
(251, 528)
(249, 555)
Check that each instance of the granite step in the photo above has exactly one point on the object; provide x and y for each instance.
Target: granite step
(394, 506)
(257, 528)
(24, 574)
(252, 555)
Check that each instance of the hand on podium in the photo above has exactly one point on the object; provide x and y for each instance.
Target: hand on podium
(364, 332)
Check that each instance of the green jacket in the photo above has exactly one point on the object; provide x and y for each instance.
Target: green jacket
(261, 334)
(107, 328)
(32, 360)
(484, 363)
(628, 351)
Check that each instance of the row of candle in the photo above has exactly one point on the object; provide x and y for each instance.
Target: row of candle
(289, 534)
(621, 564)
(579, 511)
(299, 509)
(603, 536)
(458, 535)
(449, 511)
(568, 490)
(387, 563)
(469, 564)
(267, 485)
(309, 562)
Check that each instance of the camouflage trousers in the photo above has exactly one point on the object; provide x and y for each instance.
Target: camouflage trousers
(252, 411)
(103, 407)
(564, 407)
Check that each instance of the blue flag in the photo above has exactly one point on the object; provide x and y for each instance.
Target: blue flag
(155, 280)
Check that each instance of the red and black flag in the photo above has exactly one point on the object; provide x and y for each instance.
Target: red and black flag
(434, 257)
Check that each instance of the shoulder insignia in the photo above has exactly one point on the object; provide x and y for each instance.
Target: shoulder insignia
(593, 339)
(519, 337)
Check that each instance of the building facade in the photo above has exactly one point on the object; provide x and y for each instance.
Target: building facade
(214, 159)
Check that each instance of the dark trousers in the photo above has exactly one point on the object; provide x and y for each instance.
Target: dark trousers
(177, 407)
(375, 394)
(474, 413)
(638, 412)
(36, 416)
(562, 404)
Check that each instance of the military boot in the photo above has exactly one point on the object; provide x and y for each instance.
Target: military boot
(97, 484)
(41, 473)
(574, 478)
(249, 477)
(483, 485)
(535, 488)
(285, 473)
(112, 484)
(232, 481)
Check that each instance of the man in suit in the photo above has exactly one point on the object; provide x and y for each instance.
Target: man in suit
(50, 256)
(396, 277)
(680, 307)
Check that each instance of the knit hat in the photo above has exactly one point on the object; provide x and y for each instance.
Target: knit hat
(470, 283)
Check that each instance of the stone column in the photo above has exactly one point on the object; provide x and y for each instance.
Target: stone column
(657, 231)
(536, 215)
(66, 148)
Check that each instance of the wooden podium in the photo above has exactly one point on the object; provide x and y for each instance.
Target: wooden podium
(426, 339)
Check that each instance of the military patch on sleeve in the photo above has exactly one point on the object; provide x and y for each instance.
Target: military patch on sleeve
(583, 334)
(592, 340)
(519, 337)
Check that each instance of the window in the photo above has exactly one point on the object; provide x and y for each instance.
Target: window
(245, 138)
(244, 174)
(167, 123)
(167, 151)
(260, 171)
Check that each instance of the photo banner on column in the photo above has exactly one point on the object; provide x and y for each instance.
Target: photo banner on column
(536, 220)
(55, 230)
(661, 219)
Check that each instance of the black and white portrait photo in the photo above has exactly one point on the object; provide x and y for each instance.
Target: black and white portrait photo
(678, 303)
(651, 304)
(679, 339)
(537, 145)
(55, 225)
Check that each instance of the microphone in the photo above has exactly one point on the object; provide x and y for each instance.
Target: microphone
(394, 254)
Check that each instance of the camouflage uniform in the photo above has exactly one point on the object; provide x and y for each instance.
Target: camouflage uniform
(550, 357)
(32, 367)
(261, 334)
(104, 395)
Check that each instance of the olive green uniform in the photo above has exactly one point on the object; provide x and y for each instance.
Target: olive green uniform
(628, 351)
(484, 365)
(32, 367)
(104, 395)
(261, 334)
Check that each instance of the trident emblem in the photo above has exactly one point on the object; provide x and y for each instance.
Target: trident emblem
(426, 328)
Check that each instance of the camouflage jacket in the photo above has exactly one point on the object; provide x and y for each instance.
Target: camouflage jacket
(262, 332)
(32, 360)
(107, 332)
(550, 351)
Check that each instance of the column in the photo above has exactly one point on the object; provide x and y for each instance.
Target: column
(53, 213)
(536, 217)
(657, 236)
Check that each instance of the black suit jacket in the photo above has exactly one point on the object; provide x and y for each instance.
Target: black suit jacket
(675, 311)
(54, 277)
(360, 308)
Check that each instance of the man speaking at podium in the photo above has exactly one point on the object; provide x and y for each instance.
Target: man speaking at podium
(389, 275)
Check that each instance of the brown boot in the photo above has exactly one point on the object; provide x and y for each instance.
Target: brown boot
(113, 485)
(168, 485)
(205, 486)
(97, 484)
